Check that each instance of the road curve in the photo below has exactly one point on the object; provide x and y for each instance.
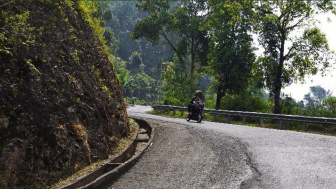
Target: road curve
(217, 155)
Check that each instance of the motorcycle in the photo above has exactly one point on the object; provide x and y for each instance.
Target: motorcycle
(196, 113)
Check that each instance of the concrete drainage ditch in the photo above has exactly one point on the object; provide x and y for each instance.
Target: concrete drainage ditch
(105, 175)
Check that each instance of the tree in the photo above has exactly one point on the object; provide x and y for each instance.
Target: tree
(231, 53)
(124, 15)
(319, 102)
(247, 101)
(139, 85)
(183, 20)
(316, 96)
(176, 89)
(290, 106)
(286, 57)
(135, 57)
(135, 62)
(329, 105)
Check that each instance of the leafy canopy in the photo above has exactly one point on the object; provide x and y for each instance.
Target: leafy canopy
(288, 58)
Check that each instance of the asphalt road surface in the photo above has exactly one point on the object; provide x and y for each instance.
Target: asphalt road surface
(217, 155)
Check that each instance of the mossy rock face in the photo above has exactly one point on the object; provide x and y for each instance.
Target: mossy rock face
(56, 114)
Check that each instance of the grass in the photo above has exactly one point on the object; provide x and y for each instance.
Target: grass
(125, 142)
(122, 145)
(255, 122)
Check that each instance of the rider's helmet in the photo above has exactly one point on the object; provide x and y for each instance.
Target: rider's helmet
(200, 95)
(197, 92)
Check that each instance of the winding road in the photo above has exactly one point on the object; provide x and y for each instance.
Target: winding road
(217, 155)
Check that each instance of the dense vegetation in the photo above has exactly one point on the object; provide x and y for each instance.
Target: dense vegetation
(180, 46)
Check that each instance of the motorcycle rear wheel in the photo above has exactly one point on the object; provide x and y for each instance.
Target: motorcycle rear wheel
(199, 119)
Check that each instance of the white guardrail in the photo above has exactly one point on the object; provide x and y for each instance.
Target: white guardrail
(280, 117)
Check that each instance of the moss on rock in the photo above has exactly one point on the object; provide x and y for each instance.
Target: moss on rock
(56, 114)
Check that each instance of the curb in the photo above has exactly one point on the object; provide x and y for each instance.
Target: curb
(108, 173)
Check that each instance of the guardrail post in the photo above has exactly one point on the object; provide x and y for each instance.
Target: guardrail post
(304, 126)
(244, 120)
(214, 118)
(261, 121)
(174, 112)
(181, 113)
(228, 119)
(330, 128)
(280, 124)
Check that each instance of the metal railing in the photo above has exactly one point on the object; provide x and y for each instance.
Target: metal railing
(279, 117)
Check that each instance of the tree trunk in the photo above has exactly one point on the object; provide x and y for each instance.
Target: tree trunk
(192, 66)
(277, 107)
(219, 97)
(278, 80)
(193, 56)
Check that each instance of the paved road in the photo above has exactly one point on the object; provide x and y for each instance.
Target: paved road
(217, 155)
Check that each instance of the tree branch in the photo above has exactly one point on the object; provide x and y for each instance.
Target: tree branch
(264, 11)
(6, 3)
(289, 54)
(295, 25)
(181, 61)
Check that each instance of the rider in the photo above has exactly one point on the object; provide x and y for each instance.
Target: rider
(198, 97)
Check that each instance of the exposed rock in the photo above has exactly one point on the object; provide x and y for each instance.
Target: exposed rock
(61, 106)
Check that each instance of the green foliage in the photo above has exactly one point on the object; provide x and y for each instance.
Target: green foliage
(148, 28)
(105, 15)
(218, 38)
(248, 101)
(123, 16)
(310, 54)
(89, 9)
(329, 106)
(16, 32)
(111, 41)
(319, 102)
(135, 57)
(231, 53)
(183, 20)
(138, 85)
(177, 89)
(31, 66)
(122, 73)
(316, 96)
(135, 63)
(290, 106)
(290, 58)
(75, 56)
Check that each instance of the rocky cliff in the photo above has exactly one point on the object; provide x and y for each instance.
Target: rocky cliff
(61, 106)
